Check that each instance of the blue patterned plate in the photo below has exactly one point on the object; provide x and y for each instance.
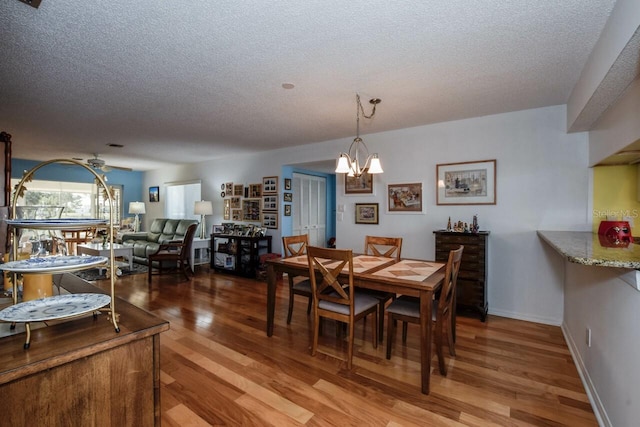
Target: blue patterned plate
(53, 263)
(55, 307)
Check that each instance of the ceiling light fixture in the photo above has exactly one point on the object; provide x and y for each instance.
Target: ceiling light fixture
(358, 160)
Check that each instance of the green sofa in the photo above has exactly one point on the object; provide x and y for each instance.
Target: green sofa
(162, 230)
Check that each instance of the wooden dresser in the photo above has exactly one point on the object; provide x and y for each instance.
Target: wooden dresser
(82, 373)
(471, 292)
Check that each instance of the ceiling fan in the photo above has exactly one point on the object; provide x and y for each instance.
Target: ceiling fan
(100, 164)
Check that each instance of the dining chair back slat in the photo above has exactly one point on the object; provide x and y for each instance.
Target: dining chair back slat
(297, 246)
(388, 247)
(334, 294)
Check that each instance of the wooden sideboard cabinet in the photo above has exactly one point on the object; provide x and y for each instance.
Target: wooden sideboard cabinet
(238, 254)
(471, 290)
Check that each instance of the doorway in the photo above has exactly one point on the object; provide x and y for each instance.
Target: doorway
(309, 209)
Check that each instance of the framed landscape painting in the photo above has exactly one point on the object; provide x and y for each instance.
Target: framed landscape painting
(366, 213)
(467, 183)
(405, 198)
(360, 185)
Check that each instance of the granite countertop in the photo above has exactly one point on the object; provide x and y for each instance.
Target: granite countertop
(584, 247)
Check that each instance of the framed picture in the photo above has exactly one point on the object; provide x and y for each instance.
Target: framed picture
(227, 209)
(235, 203)
(366, 213)
(467, 183)
(228, 261)
(287, 210)
(236, 214)
(218, 229)
(270, 185)
(270, 220)
(251, 210)
(238, 190)
(228, 188)
(288, 197)
(287, 184)
(360, 185)
(270, 203)
(154, 194)
(405, 198)
(255, 190)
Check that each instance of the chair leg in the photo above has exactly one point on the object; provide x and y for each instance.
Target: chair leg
(374, 328)
(381, 321)
(452, 343)
(316, 332)
(439, 349)
(391, 322)
(350, 350)
(404, 332)
(290, 312)
(309, 305)
(186, 269)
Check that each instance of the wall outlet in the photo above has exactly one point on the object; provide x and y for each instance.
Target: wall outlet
(588, 337)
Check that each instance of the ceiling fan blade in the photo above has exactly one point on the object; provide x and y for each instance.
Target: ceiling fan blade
(119, 168)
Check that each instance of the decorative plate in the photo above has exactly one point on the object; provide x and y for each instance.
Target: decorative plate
(53, 263)
(55, 307)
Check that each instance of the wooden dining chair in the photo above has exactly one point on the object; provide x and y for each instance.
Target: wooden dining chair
(176, 253)
(407, 309)
(389, 247)
(334, 295)
(297, 246)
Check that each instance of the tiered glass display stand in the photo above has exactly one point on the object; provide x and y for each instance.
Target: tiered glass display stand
(58, 306)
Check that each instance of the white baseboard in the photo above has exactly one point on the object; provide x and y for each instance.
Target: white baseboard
(592, 394)
(528, 318)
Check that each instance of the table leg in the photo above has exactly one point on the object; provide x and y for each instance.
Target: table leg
(425, 338)
(130, 258)
(271, 298)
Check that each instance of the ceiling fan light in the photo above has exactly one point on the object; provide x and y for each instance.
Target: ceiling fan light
(343, 164)
(374, 165)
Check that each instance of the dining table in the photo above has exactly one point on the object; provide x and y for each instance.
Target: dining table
(413, 277)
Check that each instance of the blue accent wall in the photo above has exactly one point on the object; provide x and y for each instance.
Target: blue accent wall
(287, 221)
(131, 182)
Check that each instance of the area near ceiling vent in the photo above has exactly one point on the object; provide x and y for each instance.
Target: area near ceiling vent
(32, 3)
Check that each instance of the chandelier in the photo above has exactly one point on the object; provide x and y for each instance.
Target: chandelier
(357, 160)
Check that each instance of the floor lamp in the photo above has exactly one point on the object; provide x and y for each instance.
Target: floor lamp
(137, 209)
(203, 208)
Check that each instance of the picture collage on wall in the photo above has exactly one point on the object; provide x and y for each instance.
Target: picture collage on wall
(253, 203)
(287, 197)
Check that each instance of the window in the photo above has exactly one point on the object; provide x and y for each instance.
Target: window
(181, 199)
(76, 199)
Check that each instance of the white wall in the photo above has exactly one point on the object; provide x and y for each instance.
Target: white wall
(597, 299)
(618, 127)
(542, 183)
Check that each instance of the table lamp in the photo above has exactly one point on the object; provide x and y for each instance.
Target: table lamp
(203, 208)
(136, 208)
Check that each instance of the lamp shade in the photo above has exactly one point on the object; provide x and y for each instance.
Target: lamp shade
(343, 165)
(203, 207)
(136, 208)
(374, 165)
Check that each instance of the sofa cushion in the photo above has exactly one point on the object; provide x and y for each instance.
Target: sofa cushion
(161, 230)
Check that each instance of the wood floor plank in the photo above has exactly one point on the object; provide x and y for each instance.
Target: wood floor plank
(218, 367)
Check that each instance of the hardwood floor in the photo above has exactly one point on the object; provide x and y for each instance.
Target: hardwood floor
(220, 368)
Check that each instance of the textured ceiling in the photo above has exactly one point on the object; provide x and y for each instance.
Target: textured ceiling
(187, 81)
